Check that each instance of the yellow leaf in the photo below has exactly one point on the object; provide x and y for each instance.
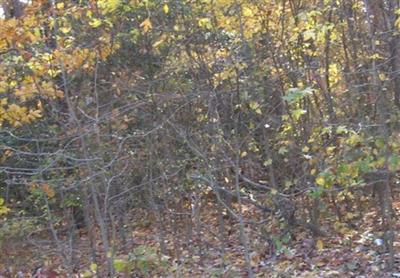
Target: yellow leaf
(48, 190)
(146, 24)
(253, 105)
(205, 23)
(86, 274)
(93, 267)
(95, 23)
(320, 181)
(243, 154)
(3, 208)
(313, 171)
(319, 245)
(330, 150)
(60, 6)
(160, 41)
(297, 113)
(267, 162)
(36, 113)
(52, 72)
(166, 8)
(255, 259)
(247, 12)
(354, 140)
(376, 56)
(66, 30)
(108, 5)
(309, 34)
(213, 148)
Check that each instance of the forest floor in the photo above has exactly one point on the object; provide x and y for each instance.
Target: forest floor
(351, 250)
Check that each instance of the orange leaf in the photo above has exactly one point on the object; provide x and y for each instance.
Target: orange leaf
(146, 25)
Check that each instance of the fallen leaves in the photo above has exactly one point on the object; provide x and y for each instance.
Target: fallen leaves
(146, 25)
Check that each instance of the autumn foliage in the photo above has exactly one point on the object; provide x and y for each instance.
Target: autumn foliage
(206, 138)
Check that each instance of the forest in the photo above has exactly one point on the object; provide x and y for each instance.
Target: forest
(199, 138)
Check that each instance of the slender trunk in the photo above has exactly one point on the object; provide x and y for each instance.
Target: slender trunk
(383, 115)
(243, 235)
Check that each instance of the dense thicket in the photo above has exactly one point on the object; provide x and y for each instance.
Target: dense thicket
(268, 115)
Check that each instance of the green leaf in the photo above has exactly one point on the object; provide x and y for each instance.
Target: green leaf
(316, 192)
(394, 162)
(324, 179)
(297, 113)
(309, 34)
(364, 165)
(380, 143)
(354, 139)
(293, 95)
(108, 6)
(341, 129)
(282, 150)
(253, 105)
(120, 265)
